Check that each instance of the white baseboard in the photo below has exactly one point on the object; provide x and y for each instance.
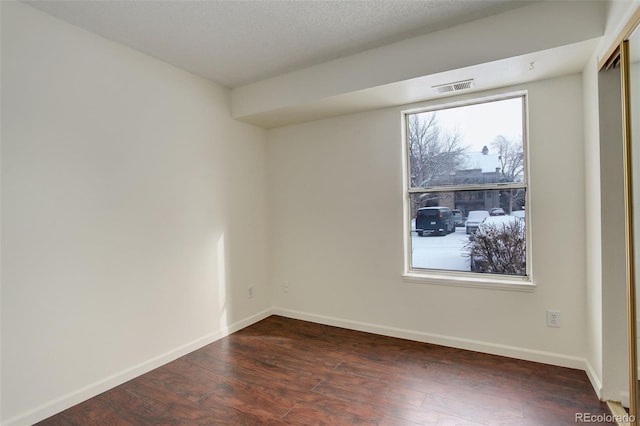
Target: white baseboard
(552, 358)
(66, 401)
(71, 399)
(593, 378)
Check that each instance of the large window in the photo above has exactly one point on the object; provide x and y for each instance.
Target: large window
(466, 187)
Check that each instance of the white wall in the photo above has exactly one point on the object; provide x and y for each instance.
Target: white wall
(335, 189)
(133, 214)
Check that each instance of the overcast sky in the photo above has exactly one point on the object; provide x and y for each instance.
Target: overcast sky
(479, 124)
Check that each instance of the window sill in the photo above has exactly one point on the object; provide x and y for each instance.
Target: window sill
(457, 280)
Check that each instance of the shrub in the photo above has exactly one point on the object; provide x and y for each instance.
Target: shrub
(499, 248)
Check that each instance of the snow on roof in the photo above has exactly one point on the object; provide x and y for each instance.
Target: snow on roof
(478, 160)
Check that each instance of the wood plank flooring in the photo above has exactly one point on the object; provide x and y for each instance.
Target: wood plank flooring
(285, 371)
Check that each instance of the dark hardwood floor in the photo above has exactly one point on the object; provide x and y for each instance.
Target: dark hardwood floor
(284, 371)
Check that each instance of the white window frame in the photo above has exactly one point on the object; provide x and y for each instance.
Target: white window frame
(466, 278)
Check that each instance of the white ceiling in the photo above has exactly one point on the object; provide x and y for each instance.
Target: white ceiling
(240, 42)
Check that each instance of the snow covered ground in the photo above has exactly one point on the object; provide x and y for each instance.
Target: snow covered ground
(445, 252)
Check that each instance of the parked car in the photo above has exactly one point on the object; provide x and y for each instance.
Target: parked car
(496, 211)
(474, 218)
(434, 221)
(498, 246)
(458, 219)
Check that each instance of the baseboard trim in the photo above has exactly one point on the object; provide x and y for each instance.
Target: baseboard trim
(593, 378)
(534, 355)
(60, 404)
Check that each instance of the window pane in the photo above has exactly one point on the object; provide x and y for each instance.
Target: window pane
(473, 231)
(467, 145)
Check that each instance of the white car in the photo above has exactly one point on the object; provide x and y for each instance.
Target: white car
(499, 222)
(518, 213)
(475, 218)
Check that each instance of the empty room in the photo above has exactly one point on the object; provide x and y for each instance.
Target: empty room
(319, 212)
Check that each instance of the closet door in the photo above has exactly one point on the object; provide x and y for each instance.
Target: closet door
(632, 103)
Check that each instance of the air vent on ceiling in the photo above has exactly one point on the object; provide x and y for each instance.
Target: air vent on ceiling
(454, 87)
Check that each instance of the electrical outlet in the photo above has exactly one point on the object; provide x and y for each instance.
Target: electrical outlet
(251, 292)
(285, 286)
(553, 319)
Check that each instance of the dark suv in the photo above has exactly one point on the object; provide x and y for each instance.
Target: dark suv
(435, 221)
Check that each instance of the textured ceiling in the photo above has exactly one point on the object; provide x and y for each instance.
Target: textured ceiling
(240, 42)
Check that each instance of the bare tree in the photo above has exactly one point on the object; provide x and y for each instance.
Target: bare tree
(511, 157)
(434, 154)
